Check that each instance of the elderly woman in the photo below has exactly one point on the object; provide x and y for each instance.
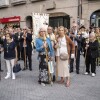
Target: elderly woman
(97, 31)
(63, 47)
(45, 50)
(91, 54)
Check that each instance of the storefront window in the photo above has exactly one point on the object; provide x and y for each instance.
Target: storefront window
(59, 21)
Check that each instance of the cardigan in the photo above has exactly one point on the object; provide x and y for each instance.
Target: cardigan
(39, 44)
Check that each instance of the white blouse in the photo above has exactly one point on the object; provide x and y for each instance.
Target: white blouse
(62, 46)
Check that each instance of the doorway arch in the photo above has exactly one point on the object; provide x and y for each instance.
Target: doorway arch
(29, 22)
(95, 19)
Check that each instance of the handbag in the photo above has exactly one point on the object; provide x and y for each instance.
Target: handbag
(16, 68)
(64, 56)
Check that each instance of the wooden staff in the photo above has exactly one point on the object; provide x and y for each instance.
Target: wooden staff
(25, 50)
(56, 57)
(19, 46)
(84, 61)
(47, 58)
(87, 42)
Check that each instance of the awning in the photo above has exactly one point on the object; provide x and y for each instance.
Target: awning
(10, 19)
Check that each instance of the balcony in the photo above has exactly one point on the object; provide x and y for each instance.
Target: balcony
(50, 5)
(4, 3)
(18, 2)
(36, 0)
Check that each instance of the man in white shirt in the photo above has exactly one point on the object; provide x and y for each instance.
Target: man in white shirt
(73, 31)
(51, 35)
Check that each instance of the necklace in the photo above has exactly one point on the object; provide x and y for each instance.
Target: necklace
(8, 43)
(7, 47)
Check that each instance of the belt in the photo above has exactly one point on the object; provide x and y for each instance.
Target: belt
(43, 53)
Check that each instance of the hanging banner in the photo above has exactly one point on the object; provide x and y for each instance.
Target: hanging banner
(39, 20)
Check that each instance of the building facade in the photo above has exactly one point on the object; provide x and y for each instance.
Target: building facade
(61, 12)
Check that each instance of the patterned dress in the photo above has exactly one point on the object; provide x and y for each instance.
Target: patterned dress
(43, 62)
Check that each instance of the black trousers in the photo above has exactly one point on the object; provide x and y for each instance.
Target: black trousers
(78, 60)
(90, 62)
(0, 61)
(72, 60)
(71, 64)
(19, 52)
(27, 55)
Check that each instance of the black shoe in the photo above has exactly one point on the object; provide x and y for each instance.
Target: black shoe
(30, 69)
(18, 59)
(1, 70)
(24, 69)
(39, 81)
(21, 59)
(77, 72)
(71, 71)
(54, 78)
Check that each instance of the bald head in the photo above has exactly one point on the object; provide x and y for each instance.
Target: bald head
(49, 30)
(92, 37)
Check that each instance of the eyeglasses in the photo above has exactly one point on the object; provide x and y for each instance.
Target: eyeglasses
(42, 31)
(74, 26)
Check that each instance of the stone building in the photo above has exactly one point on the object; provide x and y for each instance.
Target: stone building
(61, 12)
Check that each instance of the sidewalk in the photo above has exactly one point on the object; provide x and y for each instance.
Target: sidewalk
(26, 87)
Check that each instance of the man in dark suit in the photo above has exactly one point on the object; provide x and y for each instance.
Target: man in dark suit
(26, 40)
(18, 43)
(80, 38)
(1, 43)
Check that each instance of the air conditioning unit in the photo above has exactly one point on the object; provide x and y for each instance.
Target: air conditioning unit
(17, 2)
(50, 5)
(4, 3)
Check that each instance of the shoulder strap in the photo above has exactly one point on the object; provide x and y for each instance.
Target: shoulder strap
(67, 44)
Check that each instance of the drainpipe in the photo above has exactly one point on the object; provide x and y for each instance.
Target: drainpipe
(79, 17)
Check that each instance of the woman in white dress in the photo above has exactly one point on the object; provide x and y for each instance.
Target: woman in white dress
(63, 46)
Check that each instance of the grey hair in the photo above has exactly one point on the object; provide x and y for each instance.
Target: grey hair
(42, 28)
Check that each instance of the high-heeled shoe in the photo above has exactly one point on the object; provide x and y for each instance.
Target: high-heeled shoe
(61, 81)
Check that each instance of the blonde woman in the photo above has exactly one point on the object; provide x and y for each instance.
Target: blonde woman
(63, 46)
(43, 47)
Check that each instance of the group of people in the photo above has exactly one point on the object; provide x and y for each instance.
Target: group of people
(59, 45)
